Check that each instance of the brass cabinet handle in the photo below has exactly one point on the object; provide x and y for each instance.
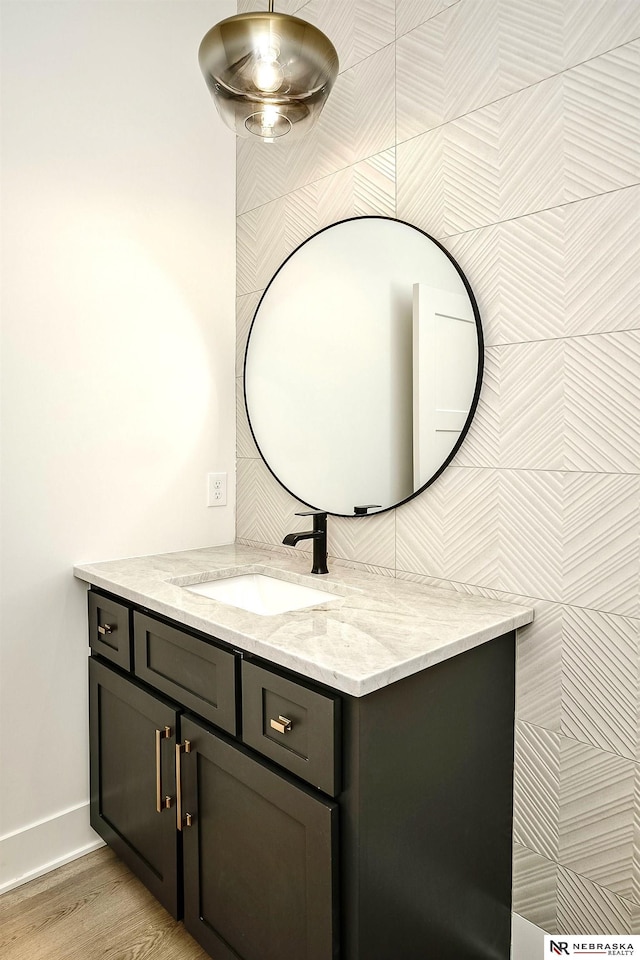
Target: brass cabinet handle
(282, 724)
(186, 746)
(161, 804)
(104, 630)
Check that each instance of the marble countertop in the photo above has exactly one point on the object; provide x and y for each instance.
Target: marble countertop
(379, 630)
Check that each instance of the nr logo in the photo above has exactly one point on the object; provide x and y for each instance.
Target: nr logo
(559, 947)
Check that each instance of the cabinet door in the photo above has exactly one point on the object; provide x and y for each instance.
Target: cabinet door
(260, 856)
(132, 739)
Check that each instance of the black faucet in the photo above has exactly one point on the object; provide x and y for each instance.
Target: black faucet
(318, 535)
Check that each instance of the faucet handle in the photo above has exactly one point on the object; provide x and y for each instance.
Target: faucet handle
(312, 513)
(362, 511)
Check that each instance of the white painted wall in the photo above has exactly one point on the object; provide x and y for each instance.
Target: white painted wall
(118, 356)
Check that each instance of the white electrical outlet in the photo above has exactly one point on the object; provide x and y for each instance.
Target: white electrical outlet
(216, 489)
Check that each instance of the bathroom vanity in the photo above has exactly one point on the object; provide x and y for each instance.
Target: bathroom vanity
(332, 781)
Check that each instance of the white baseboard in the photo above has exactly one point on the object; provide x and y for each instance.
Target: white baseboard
(40, 847)
(527, 940)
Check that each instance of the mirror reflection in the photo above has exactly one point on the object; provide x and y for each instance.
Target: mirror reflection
(363, 366)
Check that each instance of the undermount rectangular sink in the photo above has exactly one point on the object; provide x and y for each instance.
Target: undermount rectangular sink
(258, 593)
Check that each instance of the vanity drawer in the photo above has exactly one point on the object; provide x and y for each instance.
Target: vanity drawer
(109, 633)
(197, 674)
(295, 726)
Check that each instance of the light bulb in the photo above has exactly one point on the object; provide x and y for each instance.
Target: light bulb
(269, 123)
(268, 120)
(267, 73)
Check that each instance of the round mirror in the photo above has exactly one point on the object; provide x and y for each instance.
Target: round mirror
(363, 366)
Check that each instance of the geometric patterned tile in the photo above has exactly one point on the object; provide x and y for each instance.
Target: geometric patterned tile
(475, 53)
(601, 109)
(602, 384)
(357, 29)
(532, 405)
(601, 680)
(360, 114)
(245, 310)
(635, 889)
(593, 28)
(521, 44)
(601, 563)
(504, 263)
(411, 13)
(601, 252)
(370, 541)
(587, 254)
(265, 511)
(532, 145)
(559, 405)
(536, 785)
(420, 60)
(267, 234)
(596, 815)
(363, 189)
(502, 161)
(499, 529)
(420, 527)
(449, 178)
(539, 664)
(534, 887)
(470, 535)
(530, 42)
(585, 907)
(245, 444)
(529, 557)
(567, 138)
(261, 245)
(478, 253)
(531, 249)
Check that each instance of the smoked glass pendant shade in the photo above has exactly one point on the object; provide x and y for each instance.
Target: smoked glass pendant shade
(269, 74)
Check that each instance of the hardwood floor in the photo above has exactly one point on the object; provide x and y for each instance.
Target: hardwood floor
(91, 909)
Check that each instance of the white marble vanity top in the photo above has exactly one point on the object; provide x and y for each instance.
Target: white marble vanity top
(379, 630)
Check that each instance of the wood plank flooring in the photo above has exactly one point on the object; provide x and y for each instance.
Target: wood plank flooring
(91, 909)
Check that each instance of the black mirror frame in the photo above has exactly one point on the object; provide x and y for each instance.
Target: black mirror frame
(476, 394)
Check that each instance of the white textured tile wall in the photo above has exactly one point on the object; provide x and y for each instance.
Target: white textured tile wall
(510, 131)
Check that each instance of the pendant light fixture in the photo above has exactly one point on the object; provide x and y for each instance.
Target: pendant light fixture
(269, 73)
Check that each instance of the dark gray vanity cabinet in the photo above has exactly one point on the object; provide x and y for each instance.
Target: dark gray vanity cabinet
(246, 854)
(316, 825)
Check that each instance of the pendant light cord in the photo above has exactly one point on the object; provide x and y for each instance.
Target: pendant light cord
(270, 6)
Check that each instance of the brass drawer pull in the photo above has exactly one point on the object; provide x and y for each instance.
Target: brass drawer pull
(106, 629)
(186, 746)
(161, 803)
(282, 724)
